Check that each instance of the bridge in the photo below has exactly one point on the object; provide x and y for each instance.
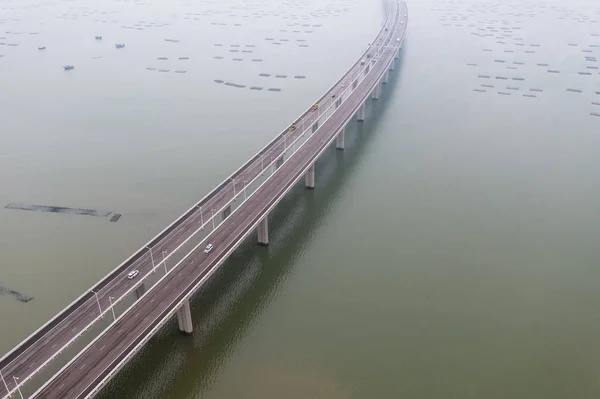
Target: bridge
(173, 265)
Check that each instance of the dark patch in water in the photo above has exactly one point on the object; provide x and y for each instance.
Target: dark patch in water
(218, 81)
(538, 90)
(58, 209)
(256, 60)
(574, 90)
(256, 88)
(115, 217)
(274, 89)
(281, 76)
(530, 95)
(235, 85)
(18, 295)
(180, 71)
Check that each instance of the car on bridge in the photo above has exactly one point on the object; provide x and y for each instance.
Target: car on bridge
(208, 248)
(132, 274)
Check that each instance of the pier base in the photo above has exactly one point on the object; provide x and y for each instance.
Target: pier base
(309, 177)
(263, 231)
(375, 94)
(341, 138)
(361, 113)
(184, 318)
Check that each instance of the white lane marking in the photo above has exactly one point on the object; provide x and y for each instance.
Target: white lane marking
(61, 385)
(119, 331)
(53, 346)
(152, 300)
(103, 346)
(81, 367)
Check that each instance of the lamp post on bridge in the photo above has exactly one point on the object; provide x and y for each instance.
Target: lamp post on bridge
(18, 386)
(245, 189)
(98, 301)
(152, 259)
(212, 213)
(201, 220)
(164, 261)
(5, 384)
(112, 307)
(234, 195)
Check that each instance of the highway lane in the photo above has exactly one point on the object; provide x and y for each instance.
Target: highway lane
(109, 349)
(84, 314)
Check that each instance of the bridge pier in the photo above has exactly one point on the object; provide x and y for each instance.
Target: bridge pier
(393, 64)
(398, 53)
(386, 77)
(361, 113)
(184, 318)
(141, 290)
(341, 138)
(263, 231)
(375, 94)
(309, 177)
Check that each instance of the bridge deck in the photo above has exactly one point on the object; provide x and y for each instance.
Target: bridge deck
(88, 370)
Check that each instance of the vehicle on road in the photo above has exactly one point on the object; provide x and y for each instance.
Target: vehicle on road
(314, 108)
(132, 274)
(208, 248)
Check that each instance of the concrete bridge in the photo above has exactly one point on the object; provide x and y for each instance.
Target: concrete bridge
(170, 272)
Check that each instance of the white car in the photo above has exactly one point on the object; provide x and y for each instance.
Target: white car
(132, 274)
(208, 248)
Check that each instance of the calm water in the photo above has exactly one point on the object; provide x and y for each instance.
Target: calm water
(450, 251)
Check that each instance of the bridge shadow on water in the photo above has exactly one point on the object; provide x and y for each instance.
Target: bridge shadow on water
(175, 366)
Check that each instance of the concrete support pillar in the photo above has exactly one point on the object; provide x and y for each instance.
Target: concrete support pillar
(309, 177)
(392, 64)
(375, 94)
(139, 291)
(341, 138)
(361, 113)
(263, 231)
(398, 53)
(386, 77)
(184, 318)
